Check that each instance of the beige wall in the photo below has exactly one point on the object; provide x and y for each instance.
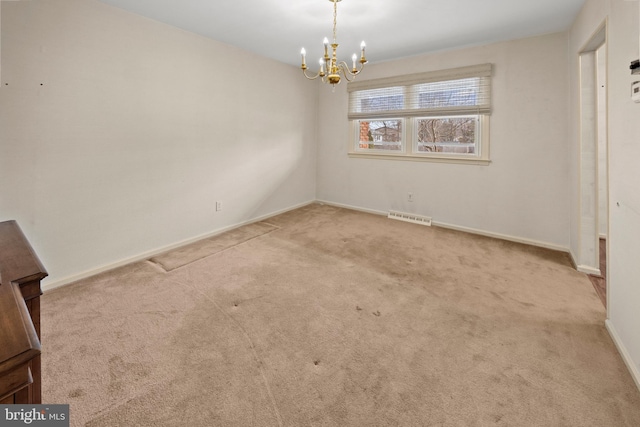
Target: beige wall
(624, 149)
(623, 291)
(118, 134)
(522, 194)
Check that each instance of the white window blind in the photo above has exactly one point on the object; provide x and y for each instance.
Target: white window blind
(457, 91)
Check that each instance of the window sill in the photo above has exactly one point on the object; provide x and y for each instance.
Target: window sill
(414, 158)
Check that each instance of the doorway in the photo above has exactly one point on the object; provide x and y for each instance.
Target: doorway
(594, 197)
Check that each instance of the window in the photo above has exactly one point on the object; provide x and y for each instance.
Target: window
(455, 135)
(383, 134)
(442, 116)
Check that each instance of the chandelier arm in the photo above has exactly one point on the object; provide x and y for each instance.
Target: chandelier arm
(346, 76)
(348, 72)
(304, 71)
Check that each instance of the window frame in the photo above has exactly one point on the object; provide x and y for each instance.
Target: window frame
(412, 113)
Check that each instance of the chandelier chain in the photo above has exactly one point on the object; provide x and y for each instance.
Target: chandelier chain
(335, 20)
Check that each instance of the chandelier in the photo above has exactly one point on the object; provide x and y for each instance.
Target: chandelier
(334, 69)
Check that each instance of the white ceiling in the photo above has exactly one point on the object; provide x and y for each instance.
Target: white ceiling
(391, 28)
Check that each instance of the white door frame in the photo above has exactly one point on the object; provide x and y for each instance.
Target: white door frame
(588, 260)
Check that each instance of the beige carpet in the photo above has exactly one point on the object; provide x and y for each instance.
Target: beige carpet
(339, 318)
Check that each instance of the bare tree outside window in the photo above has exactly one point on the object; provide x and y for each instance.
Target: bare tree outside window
(447, 135)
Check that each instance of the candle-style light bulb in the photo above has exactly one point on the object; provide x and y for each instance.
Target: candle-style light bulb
(303, 52)
(354, 57)
(321, 62)
(325, 42)
(362, 46)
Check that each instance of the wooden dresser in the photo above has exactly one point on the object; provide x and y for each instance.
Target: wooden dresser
(20, 290)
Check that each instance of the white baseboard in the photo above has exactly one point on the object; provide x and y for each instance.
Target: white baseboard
(589, 270)
(353, 208)
(49, 286)
(633, 369)
(461, 228)
(584, 268)
(573, 259)
(502, 236)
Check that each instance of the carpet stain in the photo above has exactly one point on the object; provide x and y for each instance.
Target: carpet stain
(497, 296)
(122, 374)
(465, 262)
(526, 304)
(77, 393)
(479, 358)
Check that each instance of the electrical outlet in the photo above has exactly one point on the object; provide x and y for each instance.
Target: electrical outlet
(218, 206)
(410, 196)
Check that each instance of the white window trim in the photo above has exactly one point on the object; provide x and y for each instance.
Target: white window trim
(409, 132)
(409, 153)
